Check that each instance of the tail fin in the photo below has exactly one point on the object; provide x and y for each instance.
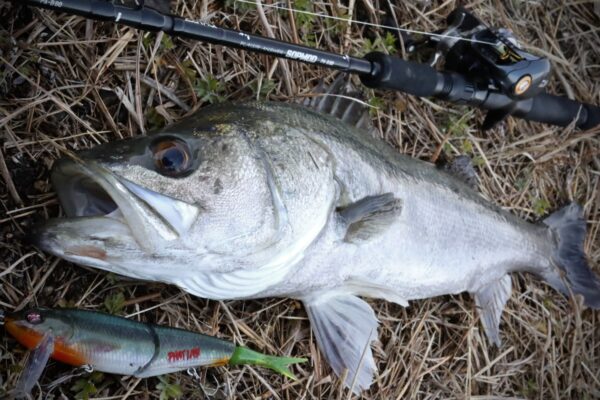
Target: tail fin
(244, 355)
(568, 226)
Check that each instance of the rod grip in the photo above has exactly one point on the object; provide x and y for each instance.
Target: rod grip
(394, 73)
(559, 110)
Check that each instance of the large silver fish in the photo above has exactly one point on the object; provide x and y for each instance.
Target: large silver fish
(263, 199)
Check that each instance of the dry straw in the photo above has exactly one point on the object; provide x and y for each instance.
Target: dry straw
(68, 84)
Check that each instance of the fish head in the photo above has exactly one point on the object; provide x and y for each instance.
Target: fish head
(190, 197)
(30, 326)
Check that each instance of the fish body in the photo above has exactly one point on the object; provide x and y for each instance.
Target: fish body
(266, 199)
(121, 346)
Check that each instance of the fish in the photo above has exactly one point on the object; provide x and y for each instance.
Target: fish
(117, 345)
(266, 199)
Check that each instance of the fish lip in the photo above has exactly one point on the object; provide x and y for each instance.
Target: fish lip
(89, 189)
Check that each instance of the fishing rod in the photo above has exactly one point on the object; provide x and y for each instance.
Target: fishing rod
(485, 68)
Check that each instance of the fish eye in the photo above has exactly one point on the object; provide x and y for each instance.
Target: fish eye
(34, 317)
(171, 157)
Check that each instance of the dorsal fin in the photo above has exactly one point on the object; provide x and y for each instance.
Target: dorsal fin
(342, 100)
(461, 168)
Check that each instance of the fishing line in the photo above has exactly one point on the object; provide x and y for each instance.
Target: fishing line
(406, 30)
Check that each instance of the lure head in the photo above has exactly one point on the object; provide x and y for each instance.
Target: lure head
(28, 327)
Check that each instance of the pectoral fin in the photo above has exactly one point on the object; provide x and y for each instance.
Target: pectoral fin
(345, 326)
(490, 301)
(370, 216)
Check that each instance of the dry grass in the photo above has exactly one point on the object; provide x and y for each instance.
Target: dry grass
(67, 84)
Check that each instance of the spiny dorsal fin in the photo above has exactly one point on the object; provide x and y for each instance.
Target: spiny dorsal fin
(370, 216)
(341, 100)
(461, 168)
(490, 300)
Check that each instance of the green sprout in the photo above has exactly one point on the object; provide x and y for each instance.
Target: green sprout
(376, 104)
(457, 126)
(336, 25)
(115, 303)
(85, 387)
(189, 70)
(303, 20)
(266, 87)
(166, 43)
(168, 390)
(541, 206)
(387, 44)
(241, 6)
(478, 161)
(155, 119)
(467, 146)
(210, 89)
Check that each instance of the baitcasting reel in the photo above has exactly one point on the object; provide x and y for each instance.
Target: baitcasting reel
(492, 58)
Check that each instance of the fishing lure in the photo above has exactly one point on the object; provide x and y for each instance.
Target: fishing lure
(121, 346)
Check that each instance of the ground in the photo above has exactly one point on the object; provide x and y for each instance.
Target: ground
(68, 84)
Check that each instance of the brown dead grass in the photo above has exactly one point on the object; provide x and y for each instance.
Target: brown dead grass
(67, 84)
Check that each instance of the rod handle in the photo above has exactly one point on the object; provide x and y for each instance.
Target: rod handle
(559, 110)
(390, 72)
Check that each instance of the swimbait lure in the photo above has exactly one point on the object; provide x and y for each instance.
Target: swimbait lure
(121, 346)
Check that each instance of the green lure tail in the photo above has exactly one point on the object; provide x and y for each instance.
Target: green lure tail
(245, 356)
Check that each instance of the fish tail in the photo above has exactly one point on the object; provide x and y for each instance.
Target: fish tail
(245, 356)
(569, 228)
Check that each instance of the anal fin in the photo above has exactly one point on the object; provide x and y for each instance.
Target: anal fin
(345, 326)
(490, 301)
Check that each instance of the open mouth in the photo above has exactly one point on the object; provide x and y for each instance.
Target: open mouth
(91, 190)
(80, 192)
(82, 196)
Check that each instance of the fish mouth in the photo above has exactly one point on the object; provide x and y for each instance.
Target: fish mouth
(95, 198)
(80, 193)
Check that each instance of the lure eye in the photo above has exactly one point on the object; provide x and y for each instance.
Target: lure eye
(171, 157)
(34, 318)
